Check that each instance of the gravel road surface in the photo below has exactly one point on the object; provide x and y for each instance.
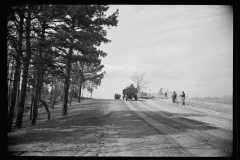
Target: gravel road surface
(145, 128)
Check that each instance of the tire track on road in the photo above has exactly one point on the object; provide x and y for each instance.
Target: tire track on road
(223, 117)
(185, 142)
(214, 137)
(159, 127)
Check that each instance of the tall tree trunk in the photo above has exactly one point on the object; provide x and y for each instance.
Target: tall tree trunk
(8, 70)
(16, 74)
(31, 107)
(39, 78)
(10, 84)
(36, 96)
(67, 77)
(32, 95)
(51, 96)
(25, 73)
(13, 96)
(70, 96)
(81, 82)
(9, 76)
(66, 87)
(18, 88)
(80, 89)
(62, 89)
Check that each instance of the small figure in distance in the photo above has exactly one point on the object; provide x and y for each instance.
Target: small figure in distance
(183, 98)
(174, 96)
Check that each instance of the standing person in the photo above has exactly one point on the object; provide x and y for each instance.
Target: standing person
(166, 94)
(174, 96)
(183, 98)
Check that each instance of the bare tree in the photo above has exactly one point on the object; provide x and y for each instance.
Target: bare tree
(139, 79)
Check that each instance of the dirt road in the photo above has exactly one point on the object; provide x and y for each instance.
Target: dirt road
(128, 128)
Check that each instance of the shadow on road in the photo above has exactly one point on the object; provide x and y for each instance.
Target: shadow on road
(89, 124)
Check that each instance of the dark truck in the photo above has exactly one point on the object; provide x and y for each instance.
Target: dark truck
(130, 92)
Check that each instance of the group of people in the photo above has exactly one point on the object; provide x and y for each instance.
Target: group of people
(174, 98)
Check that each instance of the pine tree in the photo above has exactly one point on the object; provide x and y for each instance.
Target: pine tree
(82, 28)
(15, 37)
(52, 43)
(25, 69)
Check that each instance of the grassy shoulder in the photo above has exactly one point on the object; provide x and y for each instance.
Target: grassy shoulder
(223, 100)
(214, 105)
(64, 135)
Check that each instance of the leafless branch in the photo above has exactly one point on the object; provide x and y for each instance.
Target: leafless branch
(139, 79)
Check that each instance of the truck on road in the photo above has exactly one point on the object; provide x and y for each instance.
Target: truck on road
(130, 92)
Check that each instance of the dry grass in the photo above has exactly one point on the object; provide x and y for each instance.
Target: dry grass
(222, 100)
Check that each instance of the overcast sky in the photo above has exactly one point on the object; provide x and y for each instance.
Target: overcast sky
(180, 47)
